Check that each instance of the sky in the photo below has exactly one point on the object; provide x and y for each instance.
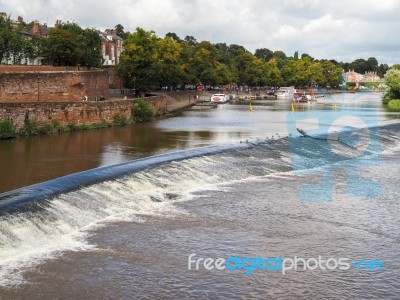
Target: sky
(343, 30)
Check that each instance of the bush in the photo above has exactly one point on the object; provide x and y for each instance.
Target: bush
(390, 95)
(119, 119)
(58, 127)
(7, 129)
(72, 127)
(350, 86)
(31, 127)
(394, 104)
(44, 129)
(161, 112)
(102, 124)
(83, 127)
(142, 111)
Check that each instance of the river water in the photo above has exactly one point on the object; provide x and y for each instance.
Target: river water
(127, 230)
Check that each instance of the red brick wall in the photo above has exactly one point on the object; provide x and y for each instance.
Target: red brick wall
(71, 112)
(51, 84)
(114, 81)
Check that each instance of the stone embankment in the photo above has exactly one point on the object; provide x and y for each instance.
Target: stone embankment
(86, 112)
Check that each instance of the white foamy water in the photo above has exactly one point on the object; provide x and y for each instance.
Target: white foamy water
(29, 237)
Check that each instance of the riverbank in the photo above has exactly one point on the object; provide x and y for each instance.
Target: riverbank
(27, 119)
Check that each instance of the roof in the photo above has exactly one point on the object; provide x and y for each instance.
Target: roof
(44, 30)
(116, 37)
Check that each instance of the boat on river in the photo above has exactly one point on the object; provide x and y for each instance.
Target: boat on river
(305, 98)
(219, 98)
(285, 92)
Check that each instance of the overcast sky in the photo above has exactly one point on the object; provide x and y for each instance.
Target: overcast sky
(340, 29)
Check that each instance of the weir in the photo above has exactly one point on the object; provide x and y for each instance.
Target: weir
(17, 199)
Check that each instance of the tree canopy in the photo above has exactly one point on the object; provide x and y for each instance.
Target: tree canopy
(70, 45)
(12, 44)
(149, 62)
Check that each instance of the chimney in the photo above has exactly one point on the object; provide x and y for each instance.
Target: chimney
(35, 28)
(20, 19)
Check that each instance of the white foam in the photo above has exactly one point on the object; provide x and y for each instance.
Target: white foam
(28, 238)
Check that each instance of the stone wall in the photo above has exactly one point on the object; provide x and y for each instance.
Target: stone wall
(71, 112)
(51, 84)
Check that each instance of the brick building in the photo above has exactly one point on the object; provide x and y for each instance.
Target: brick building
(111, 47)
(369, 76)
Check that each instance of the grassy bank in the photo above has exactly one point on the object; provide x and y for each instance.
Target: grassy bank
(141, 111)
(394, 104)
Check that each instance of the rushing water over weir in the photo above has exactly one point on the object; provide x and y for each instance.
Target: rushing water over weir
(40, 220)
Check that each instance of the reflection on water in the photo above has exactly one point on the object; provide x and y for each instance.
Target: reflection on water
(36, 159)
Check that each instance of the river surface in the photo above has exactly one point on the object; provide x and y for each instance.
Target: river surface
(127, 230)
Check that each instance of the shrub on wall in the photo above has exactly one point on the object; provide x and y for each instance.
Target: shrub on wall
(142, 111)
(7, 129)
(119, 119)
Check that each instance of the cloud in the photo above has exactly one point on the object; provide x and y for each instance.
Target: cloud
(342, 30)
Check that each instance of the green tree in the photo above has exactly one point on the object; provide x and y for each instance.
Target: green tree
(359, 65)
(264, 54)
(279, 54)
(92, 45)
(273, 73)
(305, 72)
(252, 71)
(372, 64)
(382, 69)
(304, 55)
(223, 53)
(63, 46)
(6, 34)
(70, 45)
(138, 60)
(167, 62)
(392, 80)
(173, 36)
(203, 63)
(331, 74)
(224, 74)
(11, 41)
(120, 31)
(191, 40)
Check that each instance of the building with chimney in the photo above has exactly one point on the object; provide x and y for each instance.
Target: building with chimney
(111, 47)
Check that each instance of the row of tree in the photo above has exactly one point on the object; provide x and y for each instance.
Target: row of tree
(65, 45)
(150, 62)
